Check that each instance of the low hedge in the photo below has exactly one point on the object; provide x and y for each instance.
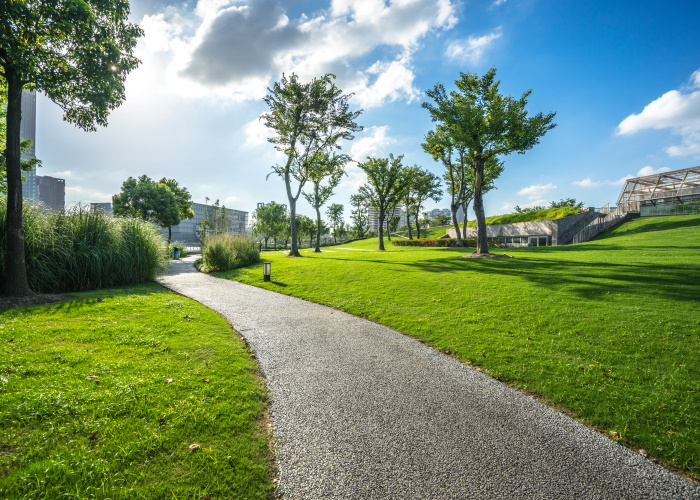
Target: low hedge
(434, 242)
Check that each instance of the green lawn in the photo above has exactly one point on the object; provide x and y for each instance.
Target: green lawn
(102, 397)
(609, 330)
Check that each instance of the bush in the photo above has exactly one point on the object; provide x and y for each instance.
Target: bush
(431, 242)
(222, 252)
(77, 249)
(183, 249)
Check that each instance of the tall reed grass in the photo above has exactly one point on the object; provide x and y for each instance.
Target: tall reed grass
(222, 252)
(79, 249)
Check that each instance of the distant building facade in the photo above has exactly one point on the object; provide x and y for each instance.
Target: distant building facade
(374, 218)
(51, 191)
(190, 231)
(445, 211)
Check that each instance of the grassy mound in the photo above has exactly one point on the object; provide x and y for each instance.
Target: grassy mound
(607, 329)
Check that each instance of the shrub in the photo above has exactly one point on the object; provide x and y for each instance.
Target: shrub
(222, 252)
(183, 249)
(77, 249)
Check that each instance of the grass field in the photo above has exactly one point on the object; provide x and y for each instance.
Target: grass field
(609, 330)
(103, 396)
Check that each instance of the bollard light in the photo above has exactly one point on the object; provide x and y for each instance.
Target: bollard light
(266, 271)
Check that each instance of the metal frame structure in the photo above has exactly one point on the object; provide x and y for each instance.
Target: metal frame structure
(676, 186)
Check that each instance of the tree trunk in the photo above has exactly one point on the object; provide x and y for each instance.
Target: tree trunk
(454, 207)
(294, 251)
(170, 234)
(16, 283)
(482, 246)
(408, 223)
(465, 207)
(318, 230)
(381, 230)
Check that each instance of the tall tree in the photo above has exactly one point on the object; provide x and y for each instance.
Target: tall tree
(477, 117)
(324, 166)
(386, 182)
(147, 200)
(335, 217)
(359, 215)
(458, 174)
(307, 119)
(78, 52)
(305, 226)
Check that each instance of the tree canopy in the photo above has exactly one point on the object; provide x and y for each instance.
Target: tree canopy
(308, 119)
(270, 221)
(386, 183)
(78, 53)
(488, 124)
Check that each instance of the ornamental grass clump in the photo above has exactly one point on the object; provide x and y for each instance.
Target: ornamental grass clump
(78, 249)
(222, 252)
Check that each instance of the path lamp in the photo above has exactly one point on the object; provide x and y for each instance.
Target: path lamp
(266, 271)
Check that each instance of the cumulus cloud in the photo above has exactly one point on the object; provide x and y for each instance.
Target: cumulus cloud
(587, 183)
(77, 194)
(642, 172)
(65, 173)
(234, 48)
(374, 142)
(678, 110)
(472, 48)
(537, 190)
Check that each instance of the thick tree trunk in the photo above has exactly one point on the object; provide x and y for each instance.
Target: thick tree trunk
(482, 246)
(408, 223)
(318, 229)
(454, 207)
(418, 223)
(16, 283)
(294, 251)
(170, 234)
(381, 230)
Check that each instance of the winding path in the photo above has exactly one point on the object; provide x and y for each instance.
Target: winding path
(361, 411)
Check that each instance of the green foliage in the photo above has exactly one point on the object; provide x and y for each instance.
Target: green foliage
(566, 202)
(441, 220)
(335, 217)
(151, 351)
(270, 221)
(386, 183)
(530, 216)
(607, 329)
(308, 121)
(359, 215)
(223, 252)
(83, 250)
(480, 120)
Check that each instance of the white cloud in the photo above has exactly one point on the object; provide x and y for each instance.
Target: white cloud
(535, 191)
(677, 110)
(496, 3)
(472, 48)
(233, 48)
(256, 133)
(374, 143)
(587, 183)
(644, 171)
(65, 173)
(76, 194)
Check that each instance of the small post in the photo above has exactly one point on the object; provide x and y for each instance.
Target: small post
(266, 271)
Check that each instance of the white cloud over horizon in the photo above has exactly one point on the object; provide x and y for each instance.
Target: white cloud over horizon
(234, 49)
(678, 110)
(537, 190)
(642, 172)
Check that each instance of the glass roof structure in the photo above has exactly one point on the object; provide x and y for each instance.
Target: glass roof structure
(675, 186)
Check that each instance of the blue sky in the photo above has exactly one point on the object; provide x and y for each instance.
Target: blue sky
(623, 77)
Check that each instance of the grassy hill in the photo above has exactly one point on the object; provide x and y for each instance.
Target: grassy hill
(608, 330)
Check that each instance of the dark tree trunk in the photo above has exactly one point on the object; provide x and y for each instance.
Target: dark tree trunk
(381, 230)
(408, 223)
(16, 283)
(482, 246)
(294, 251)
(418, 223)
(465, 207)
(318, 229)
(454, 207)
(170, 234)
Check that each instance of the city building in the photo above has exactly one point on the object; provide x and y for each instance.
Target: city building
(374, 218)
(50, 191)
(445, 211)
(217, 219)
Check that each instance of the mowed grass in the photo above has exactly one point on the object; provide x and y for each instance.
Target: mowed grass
(102, 396)
(609, 330)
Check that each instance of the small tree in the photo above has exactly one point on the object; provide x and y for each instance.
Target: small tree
(305, 225)
(78, 54)
(386, 183)
(566, 202)
(147, 200)
(325, 166)
(424, 185)
(335, 216)
(441, 220)
(487, 124)
(307, 119)
(183, 200)
(269, 221)
(359, 215)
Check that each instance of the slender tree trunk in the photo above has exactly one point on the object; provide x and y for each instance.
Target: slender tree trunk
(170, 234)
(408, 223)
(418, 223)
(318, 229)
(381, 230)
(266, 242)
(16, 283)
(455, 223)
(465, 207)
(482, 246)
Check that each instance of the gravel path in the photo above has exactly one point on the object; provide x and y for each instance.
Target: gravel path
(361, 411)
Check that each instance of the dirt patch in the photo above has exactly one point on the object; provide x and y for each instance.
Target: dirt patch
(36, 299)
(488, 256)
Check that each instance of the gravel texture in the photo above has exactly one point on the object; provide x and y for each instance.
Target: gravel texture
(361, 411)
